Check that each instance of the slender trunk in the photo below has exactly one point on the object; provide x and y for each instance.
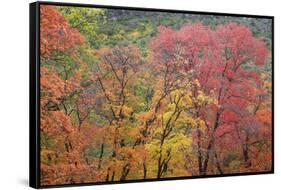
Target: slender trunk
(199, 158)
(159, 163)
(114, 152)
(107, 174)
(101, 155)
(218, 163)
(125, 172)
(206, 161)
(245, 149)
(144, 169)
(210, 146)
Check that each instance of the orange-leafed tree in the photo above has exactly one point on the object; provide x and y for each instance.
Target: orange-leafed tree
(114, 78)
(55, 32)
(62, 144)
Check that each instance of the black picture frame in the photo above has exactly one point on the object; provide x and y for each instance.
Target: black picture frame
(34, 91)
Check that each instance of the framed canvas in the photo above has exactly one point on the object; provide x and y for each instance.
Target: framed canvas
(122, 94)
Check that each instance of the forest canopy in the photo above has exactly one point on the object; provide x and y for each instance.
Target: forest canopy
(133, 95)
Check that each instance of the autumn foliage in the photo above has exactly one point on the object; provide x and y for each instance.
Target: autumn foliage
(198, 104)
(55, 32)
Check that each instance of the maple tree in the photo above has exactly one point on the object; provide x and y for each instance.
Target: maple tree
(55, 32)
(191, 100)
(216, 58)
(62, 162)
(114, 75)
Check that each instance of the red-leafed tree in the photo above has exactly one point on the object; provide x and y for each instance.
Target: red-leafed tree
(216, 58)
